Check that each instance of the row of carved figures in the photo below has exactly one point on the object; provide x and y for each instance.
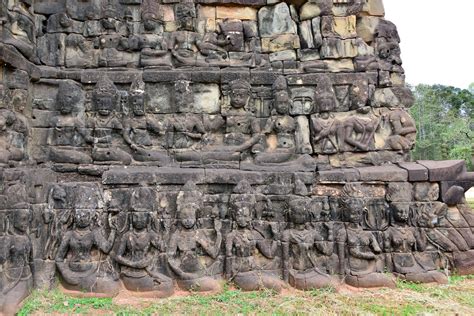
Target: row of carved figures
(103, 258)
(116, 38)
(279, 138)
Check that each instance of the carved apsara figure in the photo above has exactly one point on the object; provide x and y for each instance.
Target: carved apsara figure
(403, 128)
(192, 250)
(139, 128)
(13, 135)
(107, 128)
(16, 261)
(404, 246)
(80, 270)
(305, 250)
(363, 249)
(68, 135)
(137, 255)
(244, 244)
(280, 131)
(324, 125)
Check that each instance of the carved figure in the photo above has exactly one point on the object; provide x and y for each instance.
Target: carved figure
(68, 135)
(16, 260)
(363, 249)
(13, 135)
(137, 254)
(403, 129)
(404, 246)
(244, 243)
(138, 127)
(280, 131)
(324, 126)
(79, 269)
(106, 126)
(303, 248)
(192, 251)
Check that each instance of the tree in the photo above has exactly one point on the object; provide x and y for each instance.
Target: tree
(445, 123)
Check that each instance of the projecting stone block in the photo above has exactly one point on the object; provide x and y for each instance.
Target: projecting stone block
(383, 173)
(416, 172)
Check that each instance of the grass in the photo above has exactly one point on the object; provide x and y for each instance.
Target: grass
(407, 298)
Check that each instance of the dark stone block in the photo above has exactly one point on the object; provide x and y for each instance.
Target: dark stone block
(416, 172)
(387, 173)
(443, 170)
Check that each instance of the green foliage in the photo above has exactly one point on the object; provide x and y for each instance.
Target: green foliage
(445, 123)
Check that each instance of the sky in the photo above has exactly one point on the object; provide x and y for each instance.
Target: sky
(437, 40)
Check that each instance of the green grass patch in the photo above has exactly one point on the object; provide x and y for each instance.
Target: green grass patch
(456, 297)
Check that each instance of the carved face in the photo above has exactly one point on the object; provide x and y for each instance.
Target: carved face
(401, 213)
(137, 104)
(356, 209)
(66, 101)
(326, 102)
(140, 220)
(82, 218)
(239, 98)
(104, 105)
(150, 24)
(187, 215)
(21, 220)
(242, 213)
(281, 102)
(298, 214)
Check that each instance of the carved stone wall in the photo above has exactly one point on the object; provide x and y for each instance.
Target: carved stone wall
(151, 144)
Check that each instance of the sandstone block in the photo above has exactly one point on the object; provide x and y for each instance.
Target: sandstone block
(275, 20)
(241, 13)
(280, 42)
(342, 27)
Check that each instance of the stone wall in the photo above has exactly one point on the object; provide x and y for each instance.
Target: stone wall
(155, 144)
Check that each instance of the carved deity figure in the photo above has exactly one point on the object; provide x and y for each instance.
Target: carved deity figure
(16, 260)
(213, 47)
(13, 135)
(324, 126)
(280, 132)
(403, 128)
(68, 134)
(363, 250)
(244, 244)
(405, 245)
(192, 251)
(305, 250)
(246, 132)
(137, 254)
(154, 46)
(139, 127)
(107, 128)
(79, 269)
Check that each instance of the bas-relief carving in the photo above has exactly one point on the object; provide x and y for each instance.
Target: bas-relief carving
(270, 95)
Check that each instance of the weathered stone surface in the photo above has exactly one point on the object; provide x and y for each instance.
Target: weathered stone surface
(342, 27)
(280, 42)
(416, 172)
(154, 145)
(276, 20)
(383, 173)
(374, 7)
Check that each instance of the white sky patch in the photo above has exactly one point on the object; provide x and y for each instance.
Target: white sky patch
(437, 40)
